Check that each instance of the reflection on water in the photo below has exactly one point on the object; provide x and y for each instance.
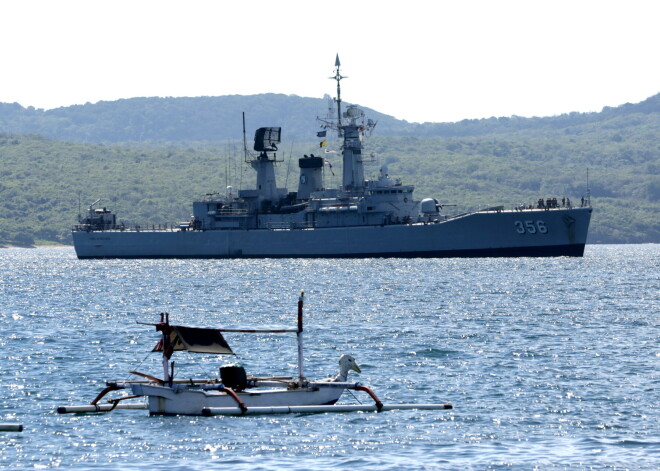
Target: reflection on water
(548, 362)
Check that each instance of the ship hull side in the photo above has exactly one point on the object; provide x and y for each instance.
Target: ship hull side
(535, 233)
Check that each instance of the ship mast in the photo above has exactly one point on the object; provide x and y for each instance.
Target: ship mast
(338, 78)
(350, 126)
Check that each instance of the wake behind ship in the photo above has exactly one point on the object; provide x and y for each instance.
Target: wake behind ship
(362, 218)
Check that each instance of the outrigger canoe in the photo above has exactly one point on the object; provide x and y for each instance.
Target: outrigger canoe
(233, 393)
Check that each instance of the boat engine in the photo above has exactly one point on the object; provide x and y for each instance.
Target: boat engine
(234, 377)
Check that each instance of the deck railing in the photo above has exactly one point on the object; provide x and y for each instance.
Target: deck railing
(134, 228)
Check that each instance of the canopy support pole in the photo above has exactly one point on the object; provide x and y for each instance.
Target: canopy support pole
(301, 376)
(164, 327)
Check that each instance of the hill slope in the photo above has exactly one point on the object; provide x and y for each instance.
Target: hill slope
(218, 119)
(498, 161)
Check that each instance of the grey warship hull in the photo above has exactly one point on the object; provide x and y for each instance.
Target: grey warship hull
(376, 217)
(562, 232)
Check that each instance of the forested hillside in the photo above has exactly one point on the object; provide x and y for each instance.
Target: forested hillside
(219, 119)
(476, 164)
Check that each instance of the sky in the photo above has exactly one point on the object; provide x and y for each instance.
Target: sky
(417, 60)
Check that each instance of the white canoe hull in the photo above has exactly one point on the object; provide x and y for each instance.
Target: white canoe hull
(164, 400)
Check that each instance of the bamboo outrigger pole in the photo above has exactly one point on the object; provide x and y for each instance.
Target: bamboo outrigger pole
(210, 411)
(89, 408)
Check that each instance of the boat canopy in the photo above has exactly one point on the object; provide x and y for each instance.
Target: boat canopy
(196, 340)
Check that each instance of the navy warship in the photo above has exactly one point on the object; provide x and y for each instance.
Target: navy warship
(360, 219)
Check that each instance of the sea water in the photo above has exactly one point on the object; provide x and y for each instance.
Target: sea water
(549, 363)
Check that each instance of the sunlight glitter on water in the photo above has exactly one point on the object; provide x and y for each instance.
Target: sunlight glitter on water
(549, 363)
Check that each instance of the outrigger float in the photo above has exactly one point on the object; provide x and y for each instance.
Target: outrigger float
(234, 393)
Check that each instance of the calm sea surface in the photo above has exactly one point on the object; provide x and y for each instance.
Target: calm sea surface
(549, 363)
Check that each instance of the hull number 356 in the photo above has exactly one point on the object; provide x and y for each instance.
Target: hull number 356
(531, 227)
